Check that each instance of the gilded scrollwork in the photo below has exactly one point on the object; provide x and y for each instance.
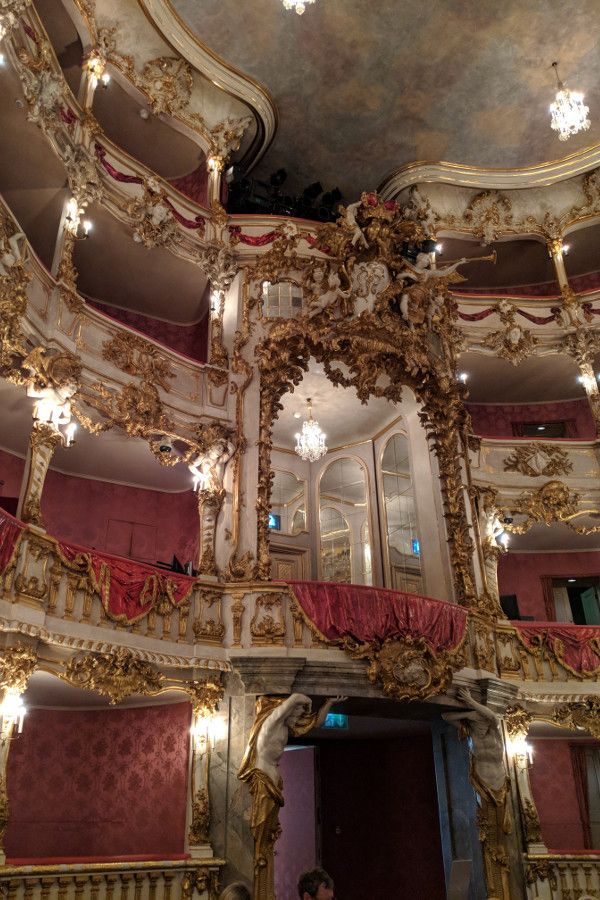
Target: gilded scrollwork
(513, 342)
(267, 625)
(205, 696)
(17, 665)
(541, 870)
(517, 721)
(579, 716)
(136, 356)
(537, 459)
(407, 668)
(117, 675)
(552, 502)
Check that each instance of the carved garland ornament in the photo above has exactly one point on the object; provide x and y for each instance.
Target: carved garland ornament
(116, 676)
(538, 459)
(584, 716)
(407, 668)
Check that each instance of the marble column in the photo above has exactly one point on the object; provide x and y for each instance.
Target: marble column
(43, 441)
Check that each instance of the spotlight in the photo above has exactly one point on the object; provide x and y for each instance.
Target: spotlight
(278, 178)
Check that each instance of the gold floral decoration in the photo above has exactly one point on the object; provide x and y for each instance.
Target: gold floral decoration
(407, 668)
(17, 665)
(538, 459)
(553, 502)
(116, 675)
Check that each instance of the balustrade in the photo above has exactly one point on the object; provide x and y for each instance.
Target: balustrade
(563, 877)
(177, 880)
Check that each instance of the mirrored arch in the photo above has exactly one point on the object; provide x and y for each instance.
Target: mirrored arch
(345, 546)
(402, 542)
(288, 503)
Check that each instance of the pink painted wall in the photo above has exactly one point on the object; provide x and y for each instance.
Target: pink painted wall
(194, 185)
(296, 848)
(79, 510)
(496, 421)
(11, 473)
(553, 786)
(110, 782)
(521, 573)
(189, 340)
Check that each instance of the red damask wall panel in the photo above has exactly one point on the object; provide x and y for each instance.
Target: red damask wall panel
(99, 783)
(497, 421)
(522, 573)
(81, 510)
(553, 785)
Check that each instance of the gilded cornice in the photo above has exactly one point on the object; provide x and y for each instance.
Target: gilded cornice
(441, 172)
(221, 73)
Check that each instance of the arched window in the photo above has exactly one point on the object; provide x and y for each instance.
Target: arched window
(345, 547)
(288, 503)
(403, 546)
(281, 300)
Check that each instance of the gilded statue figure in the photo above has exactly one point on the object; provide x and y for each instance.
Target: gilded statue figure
(276, 718)
(490, 779)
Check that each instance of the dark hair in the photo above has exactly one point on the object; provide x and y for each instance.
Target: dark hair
(310, 882)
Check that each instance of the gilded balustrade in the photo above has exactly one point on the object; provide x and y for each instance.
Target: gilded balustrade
(562, 876)
(169, 880)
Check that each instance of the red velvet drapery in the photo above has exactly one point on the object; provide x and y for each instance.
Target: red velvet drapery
(579, 763)
(128, 589)
(10, 532)
(576, 646)
(369, 613)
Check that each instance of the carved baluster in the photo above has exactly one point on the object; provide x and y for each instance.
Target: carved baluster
(153, 878)
(111, 879)
(237, 612)
(125, 885)
(139, 885)
(63, 886)
(28, 889)
(13, 889)
(553, 667)
(55, 577)
(72, 585)
(151, 620)
(168, 879)
(183, 612)
(46, 885)
(588, 875)
(96, 880)
(80, 886)
(298, 622)
(86, 612)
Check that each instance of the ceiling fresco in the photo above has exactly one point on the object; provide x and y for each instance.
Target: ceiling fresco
(365, 87)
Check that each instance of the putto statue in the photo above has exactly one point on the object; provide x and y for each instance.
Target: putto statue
(276, 718)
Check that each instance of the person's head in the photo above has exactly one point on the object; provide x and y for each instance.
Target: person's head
(315, 885)
(235, 891)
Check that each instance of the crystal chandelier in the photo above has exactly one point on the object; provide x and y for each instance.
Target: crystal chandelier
(569, 113)
(310, 445)
(298, 5)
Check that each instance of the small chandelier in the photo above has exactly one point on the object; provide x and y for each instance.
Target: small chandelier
(569, 113)
(298, 5)
(310, 444)
(12, 713)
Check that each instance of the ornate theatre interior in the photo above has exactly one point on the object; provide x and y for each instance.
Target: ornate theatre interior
(299, 449)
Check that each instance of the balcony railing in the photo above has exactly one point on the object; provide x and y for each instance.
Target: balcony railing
(563, 876)
(178, 880)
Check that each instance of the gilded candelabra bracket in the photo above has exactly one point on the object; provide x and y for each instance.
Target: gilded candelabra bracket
(406, 668)
(115, 675)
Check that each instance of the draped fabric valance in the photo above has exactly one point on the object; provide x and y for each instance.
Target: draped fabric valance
(374, 614)
(577, 647)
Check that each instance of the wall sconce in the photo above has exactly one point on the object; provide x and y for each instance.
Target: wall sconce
(503, 539)
(588, 381)
(206, 731)
(80, 230)
(12, 713)
(463, 376)
(214, 163)
(520, 750)
(97, 69)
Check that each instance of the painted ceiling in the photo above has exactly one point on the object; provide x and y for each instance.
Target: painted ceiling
(365, 87)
